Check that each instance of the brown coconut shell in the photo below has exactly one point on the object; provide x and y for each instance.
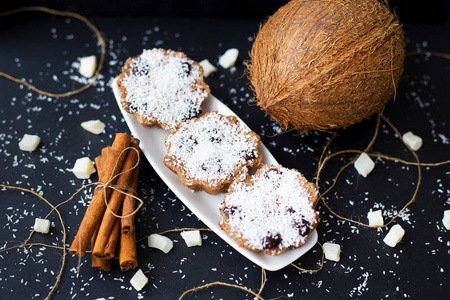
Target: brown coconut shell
(321, 65)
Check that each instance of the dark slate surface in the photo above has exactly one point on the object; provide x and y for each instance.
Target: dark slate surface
(43, 49)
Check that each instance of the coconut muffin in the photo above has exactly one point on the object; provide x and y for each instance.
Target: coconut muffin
(162, 87)
(208, 153)
(271, 211)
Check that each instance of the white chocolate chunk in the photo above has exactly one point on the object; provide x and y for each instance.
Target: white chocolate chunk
(364, 164)
(332, 251)
(394, 236)
(228, 59)
(139, 280)
(208, 68)
(29, 142)
(94, 126)
(446, 219)
(83, 168)
(88, 65)
(413, 141)
(375, 218)
(160, 242)
(41, 225)
(192, 238)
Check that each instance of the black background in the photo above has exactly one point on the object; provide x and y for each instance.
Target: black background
(39, 47)
(431, 11)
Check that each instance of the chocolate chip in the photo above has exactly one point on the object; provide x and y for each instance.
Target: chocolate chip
(129, 106)
(290, 210)
(213, 166)
(303, 227)
(215, 139)
(193, 140)
(188, 143)
(193, 111)
(135, 70)
(133, 107)
(230, 211)
(271, 241)
(186, 68)
(268, 172)
(248, 155)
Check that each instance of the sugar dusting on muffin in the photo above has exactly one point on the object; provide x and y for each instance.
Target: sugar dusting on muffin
(162, 87)
(209, 152)
(271, 211)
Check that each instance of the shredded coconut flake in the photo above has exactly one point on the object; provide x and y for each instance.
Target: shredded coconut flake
(161, 85)
(211, 148)
(274, 208)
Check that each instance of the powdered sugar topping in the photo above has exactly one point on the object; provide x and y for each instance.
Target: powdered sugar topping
(162, 85)
(212, 148)
(274, 211)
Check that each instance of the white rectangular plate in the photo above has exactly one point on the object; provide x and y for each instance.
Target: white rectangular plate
(203, 205)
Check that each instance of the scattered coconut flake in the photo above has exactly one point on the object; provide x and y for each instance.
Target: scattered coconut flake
(228, 59)
(139, 280)
(446, 219)
(41, 225)
(332, 251)
(208, 68)
(94, 126)
(29, 142)
(192, 238)
(375, 218)
(412, 140)
(394, 236)
(364, 164)
(83, 168)
(88, 65)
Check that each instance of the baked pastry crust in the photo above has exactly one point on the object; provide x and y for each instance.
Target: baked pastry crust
(271, 211)
(162, 87)
(210, 152)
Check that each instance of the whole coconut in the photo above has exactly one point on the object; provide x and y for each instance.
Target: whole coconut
(321, 65)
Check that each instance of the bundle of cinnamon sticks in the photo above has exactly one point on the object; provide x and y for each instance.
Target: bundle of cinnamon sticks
(114, 196)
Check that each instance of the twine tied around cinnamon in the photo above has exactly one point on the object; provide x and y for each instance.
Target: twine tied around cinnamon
(126, 190)
(108, 184)
(63, 228)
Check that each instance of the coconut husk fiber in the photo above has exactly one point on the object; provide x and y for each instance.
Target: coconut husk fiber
(321, 65)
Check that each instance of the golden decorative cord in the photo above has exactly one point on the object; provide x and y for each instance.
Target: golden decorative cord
(321, 262)
(65, 14)
(63, 262)
(322, 161)
(430, 53)
(174, 230)
(55, 208)
(121, 189)
(205, 286)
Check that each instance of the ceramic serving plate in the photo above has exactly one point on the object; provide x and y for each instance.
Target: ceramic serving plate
(203, 205)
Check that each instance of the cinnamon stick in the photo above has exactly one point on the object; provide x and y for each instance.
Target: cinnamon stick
(101, 264)
(97, 262)
(128, 251)
(105, 152)
(111, 166)
(115, 200)
(129, 203)
(111, 246)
